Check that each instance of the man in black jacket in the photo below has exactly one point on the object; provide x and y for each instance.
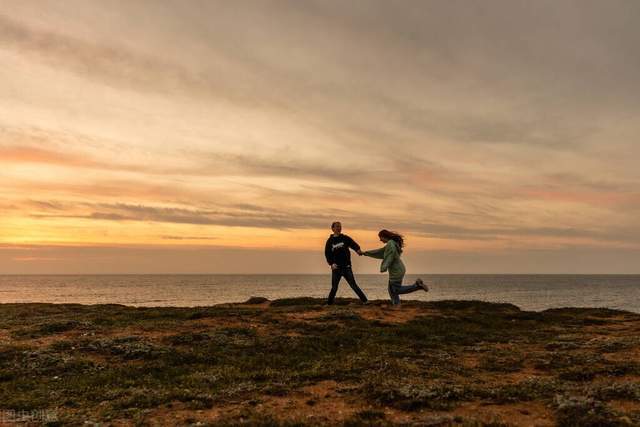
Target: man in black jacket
(339, 258)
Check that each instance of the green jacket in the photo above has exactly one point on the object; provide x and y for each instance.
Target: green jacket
(391, 262)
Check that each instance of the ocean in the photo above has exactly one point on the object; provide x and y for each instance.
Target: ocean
(529, 292)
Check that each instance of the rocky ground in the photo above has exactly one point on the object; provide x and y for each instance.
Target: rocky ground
(299, 362)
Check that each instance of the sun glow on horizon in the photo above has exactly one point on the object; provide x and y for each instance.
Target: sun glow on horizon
(222, 126)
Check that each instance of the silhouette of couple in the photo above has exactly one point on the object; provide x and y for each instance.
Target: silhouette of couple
(339, 258)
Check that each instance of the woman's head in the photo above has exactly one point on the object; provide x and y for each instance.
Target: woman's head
(386, 235)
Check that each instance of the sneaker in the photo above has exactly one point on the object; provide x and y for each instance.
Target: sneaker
(423, 285)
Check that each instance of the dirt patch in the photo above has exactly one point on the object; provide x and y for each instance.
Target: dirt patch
(395, 315)
(625, 405)
(318, 403)
(520, 414)
(5, 336)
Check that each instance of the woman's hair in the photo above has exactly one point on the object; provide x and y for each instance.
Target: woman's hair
(392, 235)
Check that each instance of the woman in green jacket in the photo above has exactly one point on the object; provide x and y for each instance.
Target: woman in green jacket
(391, 262)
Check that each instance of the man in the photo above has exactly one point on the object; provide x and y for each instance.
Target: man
(339, 258)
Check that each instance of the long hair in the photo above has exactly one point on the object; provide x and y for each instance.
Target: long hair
(392, 235)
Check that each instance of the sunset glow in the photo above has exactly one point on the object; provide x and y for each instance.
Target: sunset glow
(214, 132)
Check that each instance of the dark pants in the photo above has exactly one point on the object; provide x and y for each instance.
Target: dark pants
(396, 289)
(347, 273)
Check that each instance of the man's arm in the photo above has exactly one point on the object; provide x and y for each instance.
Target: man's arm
(328, 253)
(353, 245)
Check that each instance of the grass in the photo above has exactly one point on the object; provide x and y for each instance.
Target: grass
(234, 364)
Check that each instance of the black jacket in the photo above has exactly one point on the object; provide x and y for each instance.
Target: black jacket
(337, 250)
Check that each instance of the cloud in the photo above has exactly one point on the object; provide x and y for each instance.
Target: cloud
(35, 259)
(188, 237)
(493, 122)
(38, 155)
(223, 217)
(27, 146)
(109, 63)
(595, 198)
(246, 216)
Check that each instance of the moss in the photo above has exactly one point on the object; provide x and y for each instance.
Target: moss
(367, 417)
(128, 348)
(624, 390)
(577, 411)
(48, 328)
(254, 354)
(342, 315)
(304, 301)
(502, 361)
(256, 300)
(251, 417)
(540, 389)
(412, 396)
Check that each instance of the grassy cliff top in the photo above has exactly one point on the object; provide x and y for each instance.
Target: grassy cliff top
(299, 362)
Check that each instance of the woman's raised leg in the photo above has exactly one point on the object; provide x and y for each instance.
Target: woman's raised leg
(407, 289)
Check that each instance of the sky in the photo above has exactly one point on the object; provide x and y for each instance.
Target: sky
(204, 136)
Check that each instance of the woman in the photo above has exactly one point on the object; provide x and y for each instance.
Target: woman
(391, 262)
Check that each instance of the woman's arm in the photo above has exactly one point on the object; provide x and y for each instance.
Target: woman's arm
(390, 255)
(375, 253)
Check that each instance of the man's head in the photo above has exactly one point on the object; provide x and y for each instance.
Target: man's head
(336, 227)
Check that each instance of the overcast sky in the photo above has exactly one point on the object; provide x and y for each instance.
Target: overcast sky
(220, 136)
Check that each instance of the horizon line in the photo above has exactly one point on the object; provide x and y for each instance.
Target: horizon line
(315, 274)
